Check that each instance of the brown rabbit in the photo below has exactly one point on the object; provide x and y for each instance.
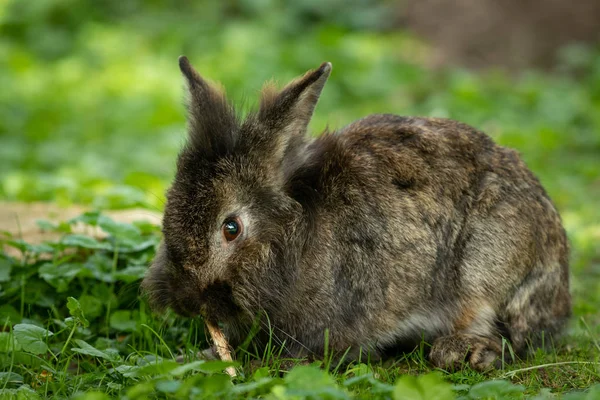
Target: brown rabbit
(391, 230)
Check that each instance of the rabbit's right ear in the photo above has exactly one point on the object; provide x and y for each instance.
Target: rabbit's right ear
(213, 125)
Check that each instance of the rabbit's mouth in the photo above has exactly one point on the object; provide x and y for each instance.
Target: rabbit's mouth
(216, 301)
(168, 286)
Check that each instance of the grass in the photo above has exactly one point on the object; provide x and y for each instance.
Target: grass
(91, 113)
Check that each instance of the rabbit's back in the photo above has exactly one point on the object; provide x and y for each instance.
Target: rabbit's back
(449, 169)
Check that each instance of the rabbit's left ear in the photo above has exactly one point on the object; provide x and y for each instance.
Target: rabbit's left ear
(293, 107)
(284, 115)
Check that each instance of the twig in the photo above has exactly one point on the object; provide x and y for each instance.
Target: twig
(223, 349)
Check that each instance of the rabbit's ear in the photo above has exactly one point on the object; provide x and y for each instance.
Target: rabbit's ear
(292, 108)
(284, 115)
(213, 124)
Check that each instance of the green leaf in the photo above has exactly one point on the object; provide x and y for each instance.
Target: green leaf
(545, 394)
(154, 368)
(123, 321)
(261, 384)
(364, 375)
(24, 392)
(216, 366)
(496, 389)
(32, 338)
(128, 371)
(140, 245)
(92, 396)
(119, 230)
(9, 315)
(592, 393)
(76, 312)
(88, 218)
(215, 386)
(182, 369)
(435, 388)
(310, 381)
(25, 247)
(92, 306)
(5, 268)
(100, 265)
(8, 343)
(10, 377)
(115, 386)
(131, 273)
(46, 225)
(140, 391)
(106, 294)
(88, 349)
(59, 276)
(407, 388)
(260, 373)
(168, 386)
(424, 387)
(86, 242)
(146, 227)
(157, 367)
(126, 237)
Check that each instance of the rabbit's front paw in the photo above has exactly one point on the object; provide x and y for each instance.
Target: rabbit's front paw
(451, 352)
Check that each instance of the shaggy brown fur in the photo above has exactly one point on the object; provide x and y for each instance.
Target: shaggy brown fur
(391, 230)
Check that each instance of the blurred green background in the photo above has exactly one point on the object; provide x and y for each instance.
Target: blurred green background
(91, 98)
(91, 105)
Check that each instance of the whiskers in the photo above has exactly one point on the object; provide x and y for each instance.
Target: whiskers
(158, 292)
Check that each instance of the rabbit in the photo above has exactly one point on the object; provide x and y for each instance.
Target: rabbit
(375, 237)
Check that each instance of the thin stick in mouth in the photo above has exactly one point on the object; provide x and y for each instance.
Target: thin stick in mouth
(220, 341)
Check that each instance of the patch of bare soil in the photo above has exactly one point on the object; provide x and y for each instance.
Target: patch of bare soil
(19, 220)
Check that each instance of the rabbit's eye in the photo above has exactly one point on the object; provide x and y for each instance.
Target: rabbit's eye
(232, 228)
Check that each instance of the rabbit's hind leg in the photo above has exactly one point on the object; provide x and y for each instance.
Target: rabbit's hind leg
(474, 340)
(539, 308)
